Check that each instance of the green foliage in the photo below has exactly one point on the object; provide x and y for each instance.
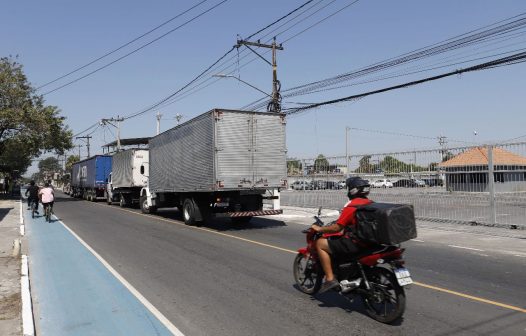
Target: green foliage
(28, 128)
(70, 161)
(365, 166)
(294, 166)
(321, 164)
(49, 165)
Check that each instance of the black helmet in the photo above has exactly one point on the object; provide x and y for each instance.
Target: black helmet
(357, 187)
(32, 183)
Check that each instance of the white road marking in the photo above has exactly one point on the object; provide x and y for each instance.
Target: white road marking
(466, 248)
(418, 240)
(172, 328)
(28, 326)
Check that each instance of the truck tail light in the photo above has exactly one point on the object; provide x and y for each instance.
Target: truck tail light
(283, 183)
(220, 184)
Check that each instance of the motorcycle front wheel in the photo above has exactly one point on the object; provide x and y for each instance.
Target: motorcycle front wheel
(307, 274)
(385, 301)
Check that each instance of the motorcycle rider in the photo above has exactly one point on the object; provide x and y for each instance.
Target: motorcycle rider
(357, 191)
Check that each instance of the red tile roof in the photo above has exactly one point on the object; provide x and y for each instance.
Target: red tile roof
(479, 156)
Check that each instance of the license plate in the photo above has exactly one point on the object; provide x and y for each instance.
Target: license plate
(403, 276)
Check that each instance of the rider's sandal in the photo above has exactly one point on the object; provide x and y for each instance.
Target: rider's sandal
(328, 285)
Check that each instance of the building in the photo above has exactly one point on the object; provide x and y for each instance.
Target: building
(468, 171)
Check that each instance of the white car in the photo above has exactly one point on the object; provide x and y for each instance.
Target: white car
(383, 183)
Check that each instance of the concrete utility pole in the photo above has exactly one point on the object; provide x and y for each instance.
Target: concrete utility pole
(79, 150)
(442, 141)
(158, 116)
(87, 137)
(275, 104)
(347, 129)
(111, 121)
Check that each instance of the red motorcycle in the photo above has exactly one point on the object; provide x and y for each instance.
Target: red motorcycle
(377, 275)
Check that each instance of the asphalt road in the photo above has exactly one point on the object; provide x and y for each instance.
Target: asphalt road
(223, 280)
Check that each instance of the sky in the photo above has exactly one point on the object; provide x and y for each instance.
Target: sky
(53, 37)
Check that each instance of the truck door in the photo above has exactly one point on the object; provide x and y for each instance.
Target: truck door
(269, 150)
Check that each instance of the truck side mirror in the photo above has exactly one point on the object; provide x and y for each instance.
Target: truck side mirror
(142, 169)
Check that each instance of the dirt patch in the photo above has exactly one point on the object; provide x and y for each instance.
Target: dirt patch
(10, 306)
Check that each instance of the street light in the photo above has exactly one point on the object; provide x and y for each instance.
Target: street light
(242, 81)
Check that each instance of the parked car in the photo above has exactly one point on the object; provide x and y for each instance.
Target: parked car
(406, 183)
(419, 183)
(300, 185)
(434, 182)
(382, 183)
(332, 185)
(341, 185)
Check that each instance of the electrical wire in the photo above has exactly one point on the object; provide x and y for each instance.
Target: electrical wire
(509, 60)
(122, 46)
(168, 100)
(137, 49)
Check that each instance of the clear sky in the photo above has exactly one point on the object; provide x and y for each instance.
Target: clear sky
(53, 37)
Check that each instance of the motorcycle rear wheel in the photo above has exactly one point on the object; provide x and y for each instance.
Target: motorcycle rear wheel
(386, 300)
(307, 274)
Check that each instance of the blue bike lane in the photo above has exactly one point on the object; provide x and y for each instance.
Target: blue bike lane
(75, 293)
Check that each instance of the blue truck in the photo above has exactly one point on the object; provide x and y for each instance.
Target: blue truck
(89, 177)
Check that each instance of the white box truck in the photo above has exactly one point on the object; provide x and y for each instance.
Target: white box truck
(219, 164)
(128, 176)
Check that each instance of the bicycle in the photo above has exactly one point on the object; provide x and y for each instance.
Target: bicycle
(34, 205)
(48, 211)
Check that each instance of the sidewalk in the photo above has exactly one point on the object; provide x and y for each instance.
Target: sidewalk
(10, 297)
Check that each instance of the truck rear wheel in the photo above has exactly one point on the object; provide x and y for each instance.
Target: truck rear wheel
(145, 208)
(189, 211)
(122, 201)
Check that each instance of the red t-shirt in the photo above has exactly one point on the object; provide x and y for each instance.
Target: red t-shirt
(347, 217)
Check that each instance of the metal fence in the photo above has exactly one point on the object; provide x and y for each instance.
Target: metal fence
(479, 184)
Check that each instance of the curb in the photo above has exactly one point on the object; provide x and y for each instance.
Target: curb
(28, 323)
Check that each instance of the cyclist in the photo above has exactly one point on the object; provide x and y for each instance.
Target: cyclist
(47, 197)
(33, 195)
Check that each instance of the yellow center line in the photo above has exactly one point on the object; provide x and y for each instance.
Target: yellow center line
(444, 290)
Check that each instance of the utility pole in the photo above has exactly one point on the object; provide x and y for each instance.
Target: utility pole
(275, 104)
(442, 141)
(158, 116)
(347, 129)
(79, 150)
(111, 122)
(87, 137)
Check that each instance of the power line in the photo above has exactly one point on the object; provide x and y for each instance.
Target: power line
(137, 49)
(172, 95)
(122, 46)
(513, 59)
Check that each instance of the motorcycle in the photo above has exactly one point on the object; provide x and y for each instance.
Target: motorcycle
(377, 275)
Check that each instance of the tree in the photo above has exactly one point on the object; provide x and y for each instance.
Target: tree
(321, 164)
(28, 128)
(365, 167)
(294, 166)
(49, 165)
(70, 161)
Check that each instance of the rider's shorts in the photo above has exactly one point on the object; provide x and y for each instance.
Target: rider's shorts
(48, 204)
(343, 246)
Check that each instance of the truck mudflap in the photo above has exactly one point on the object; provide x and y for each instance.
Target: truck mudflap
(249, 213)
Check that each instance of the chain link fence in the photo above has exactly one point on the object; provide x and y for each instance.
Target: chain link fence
(477, 185)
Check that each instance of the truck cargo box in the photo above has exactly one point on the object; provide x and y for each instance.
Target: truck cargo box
(220, 150)
(92, 172)
(130, 168)
(385, 223)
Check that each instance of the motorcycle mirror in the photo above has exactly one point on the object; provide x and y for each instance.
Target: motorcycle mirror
(319, 211)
